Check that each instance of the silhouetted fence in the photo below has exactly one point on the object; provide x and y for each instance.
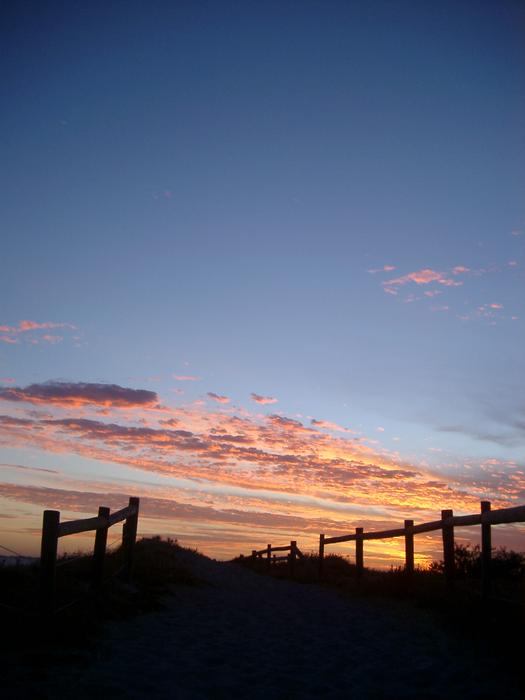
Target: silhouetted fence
(292, 548)
(53, 529)
(486, 518)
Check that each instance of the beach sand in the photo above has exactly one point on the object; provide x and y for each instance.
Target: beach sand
(243, 635)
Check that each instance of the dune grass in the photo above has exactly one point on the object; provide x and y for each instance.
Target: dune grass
(158, 565)
(491, 625)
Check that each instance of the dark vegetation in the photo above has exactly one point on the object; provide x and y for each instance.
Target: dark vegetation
(493, 624)
(161, 564)
(424, 586)
(158, 565)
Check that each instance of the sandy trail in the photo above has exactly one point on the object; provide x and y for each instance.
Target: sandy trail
(248, 636)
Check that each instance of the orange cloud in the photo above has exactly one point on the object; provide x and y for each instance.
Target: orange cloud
(79, 394)
(262, 399)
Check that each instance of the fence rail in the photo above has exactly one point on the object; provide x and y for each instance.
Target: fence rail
(448, 521)
(53, 529)
(271, 558)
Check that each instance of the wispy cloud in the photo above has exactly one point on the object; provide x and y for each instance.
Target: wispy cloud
(13, 334)
(427, 276)
(22, 467)
(329, 425)
(218, 398)
(262, 399)
(186, 378)
(385, 268)
(9, 339)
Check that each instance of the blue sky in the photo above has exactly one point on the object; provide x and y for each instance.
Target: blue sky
(215, 189)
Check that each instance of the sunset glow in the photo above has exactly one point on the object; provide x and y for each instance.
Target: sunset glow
(272, 297)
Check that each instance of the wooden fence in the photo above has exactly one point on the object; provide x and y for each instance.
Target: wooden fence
(448, 521)
(292, 548)
(53, 529)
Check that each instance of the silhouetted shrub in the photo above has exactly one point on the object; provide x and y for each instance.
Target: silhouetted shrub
(505, 563)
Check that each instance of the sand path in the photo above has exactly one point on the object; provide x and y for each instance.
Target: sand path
(248, 636)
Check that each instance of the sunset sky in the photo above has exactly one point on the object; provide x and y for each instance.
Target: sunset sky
(262, 265)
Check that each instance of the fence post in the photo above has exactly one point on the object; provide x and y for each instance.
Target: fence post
(359, 551)
(268, 556)
(291, 558)
(448, 548)
(254, 554)
(99, 550)
(321, 556)
(129, 535)
(48, 560)
(486, 553)
(409, 547)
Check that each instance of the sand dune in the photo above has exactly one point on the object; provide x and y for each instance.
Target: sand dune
(241, 635)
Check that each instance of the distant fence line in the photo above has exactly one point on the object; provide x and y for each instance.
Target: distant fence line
(295, 553)
(53, 529)
(486, 518)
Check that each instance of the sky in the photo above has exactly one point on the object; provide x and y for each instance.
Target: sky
(262, 266)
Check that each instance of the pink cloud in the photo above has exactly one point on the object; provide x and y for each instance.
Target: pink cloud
(496, 306)
(217, 398)
(460, 269)
(31, 326)
(52, 339)
(328, 425)
(385, 268)
(424, 276)
(262, 399)
(7, 380)
(187, 378)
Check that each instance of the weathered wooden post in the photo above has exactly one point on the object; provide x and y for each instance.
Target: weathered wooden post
(99, 550)
(409, 547)
(321, 557)
(291, 558)
(359, 559)
(486, 552)
(129, 535)
(268, 556)
(448, 548)
(48, 560)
